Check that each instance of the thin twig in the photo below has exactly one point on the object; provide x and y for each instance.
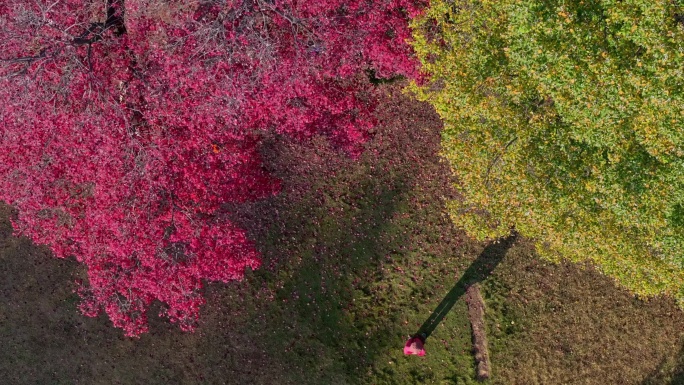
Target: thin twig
(496, 159)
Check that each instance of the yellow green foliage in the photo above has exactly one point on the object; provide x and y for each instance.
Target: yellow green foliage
(565, 121)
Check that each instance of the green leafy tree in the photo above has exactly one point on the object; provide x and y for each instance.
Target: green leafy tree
(565, 121)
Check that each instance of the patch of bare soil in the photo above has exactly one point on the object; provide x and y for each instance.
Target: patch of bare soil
(476, 314)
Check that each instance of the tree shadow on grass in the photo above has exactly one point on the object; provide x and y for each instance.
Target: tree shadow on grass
(319, 253)
(327, 313)
(315, 313)
(478, 271)
(288, 324)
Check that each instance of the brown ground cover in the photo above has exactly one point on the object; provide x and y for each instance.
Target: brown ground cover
(567, 324)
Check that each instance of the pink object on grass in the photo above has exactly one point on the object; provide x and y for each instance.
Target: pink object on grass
(414, 346)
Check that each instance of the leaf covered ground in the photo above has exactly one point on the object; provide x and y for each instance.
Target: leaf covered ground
(357, 255)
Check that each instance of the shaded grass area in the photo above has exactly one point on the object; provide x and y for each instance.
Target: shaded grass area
(360, 252)
(357, 256)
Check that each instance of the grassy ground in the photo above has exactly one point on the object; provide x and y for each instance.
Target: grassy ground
(357, 256)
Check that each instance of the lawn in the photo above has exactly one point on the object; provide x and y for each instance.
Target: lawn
(357, 256)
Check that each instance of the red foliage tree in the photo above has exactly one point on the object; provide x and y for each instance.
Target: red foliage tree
(127, 124)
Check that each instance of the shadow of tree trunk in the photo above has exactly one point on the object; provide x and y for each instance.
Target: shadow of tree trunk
(479, 270)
